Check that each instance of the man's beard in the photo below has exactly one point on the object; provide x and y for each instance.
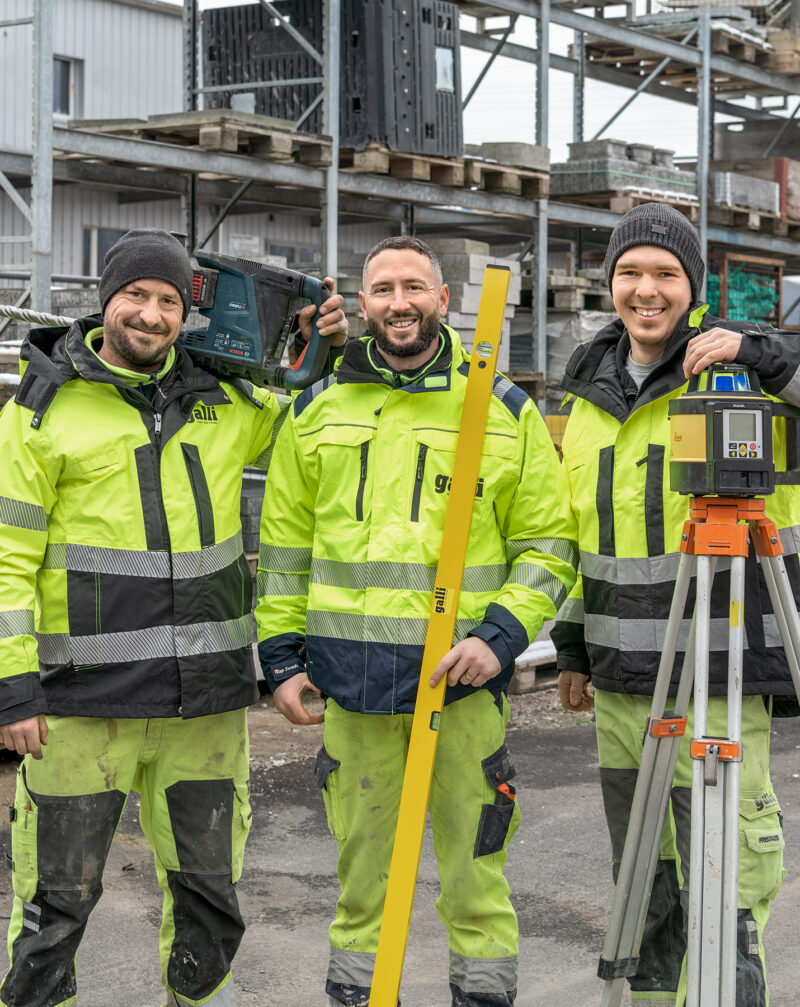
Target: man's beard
(133, 354)
(427, 332)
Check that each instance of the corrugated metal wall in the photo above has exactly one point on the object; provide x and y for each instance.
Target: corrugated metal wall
(76, 208)
(131, 67)
(132, 62)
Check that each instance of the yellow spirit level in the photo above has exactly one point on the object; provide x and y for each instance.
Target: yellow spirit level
(439, 640)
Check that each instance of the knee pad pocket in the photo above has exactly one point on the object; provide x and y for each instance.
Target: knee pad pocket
(495, 820)
(24, 860)
(327, 780)
(761, 846)
(73, 835)
(201, 819)
(240, 828)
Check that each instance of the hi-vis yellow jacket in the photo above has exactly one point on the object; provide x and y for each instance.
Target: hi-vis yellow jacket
(616, 455)
(351, 532)
(123, 588)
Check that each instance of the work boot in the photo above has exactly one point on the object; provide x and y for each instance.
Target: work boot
(225, 998)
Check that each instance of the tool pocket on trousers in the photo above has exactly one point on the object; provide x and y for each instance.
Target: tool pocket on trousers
(761, 846)
(495, 820)
(24, 822)
(328, 783)
(242, 818)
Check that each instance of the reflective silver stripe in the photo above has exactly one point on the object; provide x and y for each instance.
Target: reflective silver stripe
(55, 556)
(790, 540)
(501, 387)
(351, 968)
(263, 460)
(647, 570)
(214, 637)
(400, 576)
(284, 559)
(772, 634)
(646, 634)
(644, 570)
(374, 628)
(562, 548)
(19, 514)
(483, 975)
(54, 648)
(571, 611)
(384, 574)
(536, 578)
(16, 623)
(147, 644)
(281, 584)
(212, 559)
(118, 562)
(141, 563)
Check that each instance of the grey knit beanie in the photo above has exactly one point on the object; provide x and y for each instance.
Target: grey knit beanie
(147, 254)
(663, 226)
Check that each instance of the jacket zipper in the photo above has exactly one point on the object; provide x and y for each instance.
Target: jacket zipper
(362, 482)
(415, 499)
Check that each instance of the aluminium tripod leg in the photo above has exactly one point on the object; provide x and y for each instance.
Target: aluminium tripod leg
(785, 609)
(714, 856)
(648, 810)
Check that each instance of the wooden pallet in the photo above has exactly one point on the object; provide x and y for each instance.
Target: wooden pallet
(377, 159)
(639, 62)
(223, 130)
(506, 180)
(622, 200)
(748, 218)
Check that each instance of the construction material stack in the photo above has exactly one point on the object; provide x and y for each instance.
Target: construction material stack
(400, 64)
(616, 174)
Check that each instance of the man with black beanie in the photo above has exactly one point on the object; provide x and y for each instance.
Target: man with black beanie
(610, 630)
(126, 629)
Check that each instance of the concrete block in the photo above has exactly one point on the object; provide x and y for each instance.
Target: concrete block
(595, 273)
(582, 150)
(641, 152)
(520, 155)
(663, 157)
(466, 297)
(732, 189)
(458, 246)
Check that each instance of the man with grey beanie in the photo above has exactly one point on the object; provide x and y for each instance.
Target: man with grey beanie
(610, 630)
(126, 630)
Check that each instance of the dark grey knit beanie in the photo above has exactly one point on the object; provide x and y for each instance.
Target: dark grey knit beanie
(663, 226)
(147, 254)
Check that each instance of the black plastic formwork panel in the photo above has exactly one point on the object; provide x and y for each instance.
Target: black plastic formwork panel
(400, 68)
(242, 44)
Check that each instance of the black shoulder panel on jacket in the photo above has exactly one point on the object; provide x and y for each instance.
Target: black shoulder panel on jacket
(310, 393)
(48, 369)
(512, 397)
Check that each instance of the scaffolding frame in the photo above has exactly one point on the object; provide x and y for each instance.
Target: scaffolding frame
(408, 204)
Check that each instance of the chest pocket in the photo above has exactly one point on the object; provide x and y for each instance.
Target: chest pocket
(434, 460)
(345, 469)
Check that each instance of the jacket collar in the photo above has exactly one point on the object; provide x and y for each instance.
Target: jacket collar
(596, 371)
(56, 355)
(356, 364)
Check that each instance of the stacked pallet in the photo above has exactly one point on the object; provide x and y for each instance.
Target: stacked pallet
(785, 55)
(228, 131)
(783, 174)
(617, 175)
